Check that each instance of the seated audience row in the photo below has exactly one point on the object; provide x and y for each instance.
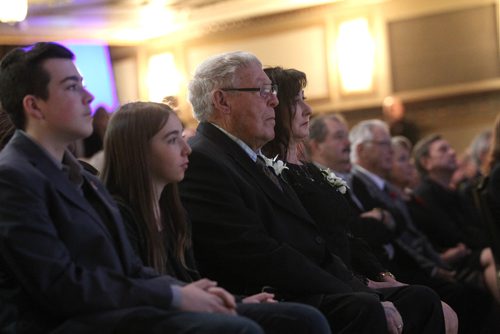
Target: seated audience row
(286, 228)
(66, 264)
(250, 228)
(155, 221)
(397, 242)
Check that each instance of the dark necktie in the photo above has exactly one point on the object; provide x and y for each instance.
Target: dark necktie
(269, 173)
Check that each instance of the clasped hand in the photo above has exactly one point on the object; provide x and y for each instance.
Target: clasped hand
(205, 296)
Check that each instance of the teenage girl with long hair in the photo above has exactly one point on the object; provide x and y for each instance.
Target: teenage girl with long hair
(145, 157)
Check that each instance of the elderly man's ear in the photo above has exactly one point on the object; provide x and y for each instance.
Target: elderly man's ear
(360, 150)
(221, 102)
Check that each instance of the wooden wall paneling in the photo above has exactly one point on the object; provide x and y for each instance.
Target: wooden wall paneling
(444, 49)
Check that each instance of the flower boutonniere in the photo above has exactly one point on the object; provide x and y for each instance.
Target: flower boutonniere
(277, 165)
(337, 182)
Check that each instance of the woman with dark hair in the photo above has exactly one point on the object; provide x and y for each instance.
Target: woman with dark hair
(321, 191)
(145, 157)
(317, 188)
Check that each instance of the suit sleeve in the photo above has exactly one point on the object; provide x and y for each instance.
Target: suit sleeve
(234, 243)
(363, 259)
(369, 229)
(35, 256)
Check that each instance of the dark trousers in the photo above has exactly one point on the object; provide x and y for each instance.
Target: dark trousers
(269, 318)
(361, 312)
(475, 308)
(286, 318)
(358, 312)
(156, 321)
(419, 306)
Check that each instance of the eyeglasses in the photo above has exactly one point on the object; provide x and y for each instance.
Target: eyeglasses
(264, 90)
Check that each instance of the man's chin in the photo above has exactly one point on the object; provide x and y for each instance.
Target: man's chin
(270, 135)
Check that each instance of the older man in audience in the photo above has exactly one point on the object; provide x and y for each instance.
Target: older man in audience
(410, 255)
(251, 232)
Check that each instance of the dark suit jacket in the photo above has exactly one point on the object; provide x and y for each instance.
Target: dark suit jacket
(412, 250)
(246, 232)
(58, 261)
(332, 212)
(369, 229)
(494, 193)
(453, 220)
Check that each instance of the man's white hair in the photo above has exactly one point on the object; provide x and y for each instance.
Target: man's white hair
(363, 132)
(215, 73)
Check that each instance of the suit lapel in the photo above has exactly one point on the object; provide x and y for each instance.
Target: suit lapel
(394, 204)
(115, 216)
(285, 199)
(374, 192)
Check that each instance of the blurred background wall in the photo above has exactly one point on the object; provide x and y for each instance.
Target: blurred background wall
(441, 57)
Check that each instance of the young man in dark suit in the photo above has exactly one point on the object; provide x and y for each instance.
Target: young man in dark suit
(250, 230)
(66, 265)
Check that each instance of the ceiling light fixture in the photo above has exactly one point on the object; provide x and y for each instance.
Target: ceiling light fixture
(12, 11)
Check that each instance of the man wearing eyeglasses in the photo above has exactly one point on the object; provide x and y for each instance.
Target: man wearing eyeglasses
(250, 231)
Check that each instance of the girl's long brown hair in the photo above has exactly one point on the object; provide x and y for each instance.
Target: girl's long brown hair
(126, 173)
(494, 154)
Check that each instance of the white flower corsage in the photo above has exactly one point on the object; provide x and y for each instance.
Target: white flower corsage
(277, 165)
(337, 182)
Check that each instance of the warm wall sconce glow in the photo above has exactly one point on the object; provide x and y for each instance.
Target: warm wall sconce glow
(356, 56)
(156, 19)
(163, 78)
(13, 10)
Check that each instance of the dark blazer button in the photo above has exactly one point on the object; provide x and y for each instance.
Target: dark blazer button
(319, 240)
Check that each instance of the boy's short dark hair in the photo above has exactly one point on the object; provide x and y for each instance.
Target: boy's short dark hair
(22, 73)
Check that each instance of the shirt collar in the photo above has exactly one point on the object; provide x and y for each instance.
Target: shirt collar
(252, 154)
(320, 166)
(69, 163)
(379, 182)
(73, 169)
(43, 149)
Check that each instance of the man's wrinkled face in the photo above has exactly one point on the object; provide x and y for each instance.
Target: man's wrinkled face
(252, 115)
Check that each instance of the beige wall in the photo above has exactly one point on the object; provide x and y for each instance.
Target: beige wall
(305, 40)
